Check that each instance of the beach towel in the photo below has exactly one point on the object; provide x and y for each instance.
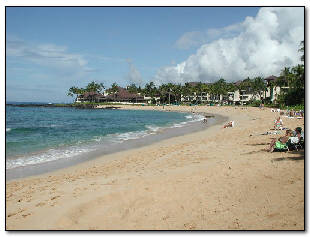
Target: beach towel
(281, 146)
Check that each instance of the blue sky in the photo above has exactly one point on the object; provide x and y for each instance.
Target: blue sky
(50, 49)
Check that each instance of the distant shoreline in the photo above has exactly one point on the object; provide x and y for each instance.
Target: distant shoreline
(79, 106)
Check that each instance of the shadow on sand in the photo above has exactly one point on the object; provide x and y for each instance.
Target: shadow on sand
(300, 153)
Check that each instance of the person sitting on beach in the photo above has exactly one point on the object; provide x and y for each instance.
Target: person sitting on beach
(298, 133)
(205, 120)
(278, 124)
(230, 124)
(280, 143)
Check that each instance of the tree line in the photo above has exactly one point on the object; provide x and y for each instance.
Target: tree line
(292, 78)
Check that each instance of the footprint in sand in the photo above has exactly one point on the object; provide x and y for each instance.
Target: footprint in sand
(25, 215)
(53, 198)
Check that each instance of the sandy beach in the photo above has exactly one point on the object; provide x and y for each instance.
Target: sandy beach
(215, 179)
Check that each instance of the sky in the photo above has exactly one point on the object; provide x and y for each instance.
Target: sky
(50, 49)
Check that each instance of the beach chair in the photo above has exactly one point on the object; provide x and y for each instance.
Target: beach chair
(295, 144)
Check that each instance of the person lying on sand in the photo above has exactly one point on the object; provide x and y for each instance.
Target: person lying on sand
(281, 142)
(230, 124)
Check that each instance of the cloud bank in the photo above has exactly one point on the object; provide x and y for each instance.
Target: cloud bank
(258, 46)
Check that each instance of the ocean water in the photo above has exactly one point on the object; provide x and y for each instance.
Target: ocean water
(37, 135)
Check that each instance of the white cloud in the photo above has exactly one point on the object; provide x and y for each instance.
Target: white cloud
(197, 38)
(259, 46)
(191, 39)
(44, 54)
(134, 76)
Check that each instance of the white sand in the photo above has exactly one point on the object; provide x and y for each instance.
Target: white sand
(216, 179)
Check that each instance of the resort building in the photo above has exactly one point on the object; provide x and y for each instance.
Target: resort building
(272, 91)
(238, 96)
(122, 96)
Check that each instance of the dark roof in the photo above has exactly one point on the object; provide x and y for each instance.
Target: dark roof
(91, 93)
(237, 83)
(193, 83)
(124, 94)
(270, 78)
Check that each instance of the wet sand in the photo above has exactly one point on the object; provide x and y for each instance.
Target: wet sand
(214, 179)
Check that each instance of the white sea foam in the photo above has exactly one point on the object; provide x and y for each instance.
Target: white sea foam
(55, 125)
(131, 135)
(177, 125)
(65, 153)
(49, 155)
(152, 128)
(197, 117)
(191, 119)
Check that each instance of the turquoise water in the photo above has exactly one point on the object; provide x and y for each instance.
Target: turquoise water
(39, 134)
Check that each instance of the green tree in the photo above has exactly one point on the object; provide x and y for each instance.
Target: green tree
(94, 87)
(75, 91)
(132, 88)
(198, 91)
(219, 88)
(258, 85)
(177, 92)
(186, 89)
(284, 78)
(295, 93)
(150, 89)
(302, 49)
(91, 87)
(113, 89)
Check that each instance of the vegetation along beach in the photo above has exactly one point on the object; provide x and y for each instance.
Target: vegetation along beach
(205, 133)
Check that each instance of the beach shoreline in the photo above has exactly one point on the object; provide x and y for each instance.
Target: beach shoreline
(162, 134)
(213, 179)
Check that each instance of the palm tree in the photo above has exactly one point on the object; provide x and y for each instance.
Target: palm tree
(113, 89)
(94, 87)
(298, 76)
(75, 91)
(132, 88)
(186, 90)
(169, 90)
(198, 90)
(150, 90)
(219, 88)
(302, 49)
(258, 85)
(177, 91)
(205, 88)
